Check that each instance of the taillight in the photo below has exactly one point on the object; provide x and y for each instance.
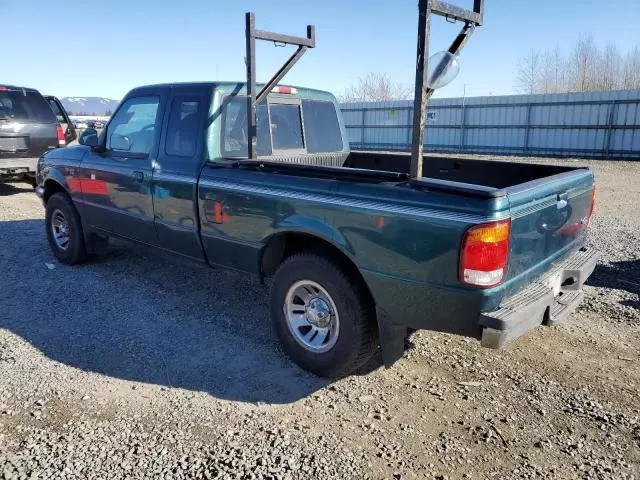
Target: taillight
(60, 133)
(285, 90)
(593, 203)
(484, 254)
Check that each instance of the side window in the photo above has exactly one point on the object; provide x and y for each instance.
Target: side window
(56, 111)
(286, 127)
(132, 128)
(182, 131)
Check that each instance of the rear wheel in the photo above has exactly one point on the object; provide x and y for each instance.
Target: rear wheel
(323, 317)
(64, 230)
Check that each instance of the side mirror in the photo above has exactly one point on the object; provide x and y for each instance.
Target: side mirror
(120, 142)
(89, 138)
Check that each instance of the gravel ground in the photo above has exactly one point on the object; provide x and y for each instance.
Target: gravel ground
(140, 366)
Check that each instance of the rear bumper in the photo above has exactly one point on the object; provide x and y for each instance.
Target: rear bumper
(541, 302)
(14, 166)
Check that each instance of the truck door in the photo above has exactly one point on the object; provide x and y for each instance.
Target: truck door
(116, 183)
(176, 171)
(70, 134)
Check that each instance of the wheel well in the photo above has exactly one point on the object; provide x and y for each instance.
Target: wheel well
(282, 246)
(51, 187)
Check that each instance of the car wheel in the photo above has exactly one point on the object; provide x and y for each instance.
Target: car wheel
(64, 230)
(322, 316)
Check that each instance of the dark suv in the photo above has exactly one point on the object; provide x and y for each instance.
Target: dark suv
(28, 128)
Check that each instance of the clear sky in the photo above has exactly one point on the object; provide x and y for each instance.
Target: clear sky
(106, 47)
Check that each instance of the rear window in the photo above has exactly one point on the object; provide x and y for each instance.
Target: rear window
(280, 128)
(25, 106)
(286, 127)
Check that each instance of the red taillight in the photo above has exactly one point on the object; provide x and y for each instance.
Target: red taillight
(484, 254)
(3, 87)
(60, 133)
(593, 203)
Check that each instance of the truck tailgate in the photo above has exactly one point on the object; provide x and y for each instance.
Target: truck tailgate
(549, 219)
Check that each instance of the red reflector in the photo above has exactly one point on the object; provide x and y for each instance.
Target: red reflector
(484, 254)
(60, 133)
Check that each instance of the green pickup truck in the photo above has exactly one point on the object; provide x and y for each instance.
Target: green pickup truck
(357, 252)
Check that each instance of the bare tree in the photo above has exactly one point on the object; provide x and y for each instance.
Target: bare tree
(631, 69)
(583, 65)
(586, 68)
(529, 72)
(553, 72)
(376, 87)
(609, 68)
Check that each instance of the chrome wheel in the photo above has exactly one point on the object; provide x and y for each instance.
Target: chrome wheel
(60, 229)
(312, 316)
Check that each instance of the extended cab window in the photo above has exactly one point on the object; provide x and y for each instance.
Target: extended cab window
(321, 127)
(234, 133)
(132, 128)
(182, 131)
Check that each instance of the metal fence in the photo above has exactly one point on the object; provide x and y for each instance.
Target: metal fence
(592, 124)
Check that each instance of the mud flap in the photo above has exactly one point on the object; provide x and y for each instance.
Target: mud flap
(392, 338)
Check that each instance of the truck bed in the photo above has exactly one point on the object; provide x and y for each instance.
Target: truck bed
(494, 175)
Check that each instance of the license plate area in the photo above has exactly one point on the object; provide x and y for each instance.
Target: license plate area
(13, 144)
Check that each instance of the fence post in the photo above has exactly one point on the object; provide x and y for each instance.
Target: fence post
(528, 128)
(409, 129)
(609, 133)
(463, 124)
(364, 111)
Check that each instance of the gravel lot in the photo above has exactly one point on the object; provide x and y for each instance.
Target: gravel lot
(140, 366)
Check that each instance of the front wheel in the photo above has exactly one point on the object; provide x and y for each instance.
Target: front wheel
(322, 316)
(64, 230)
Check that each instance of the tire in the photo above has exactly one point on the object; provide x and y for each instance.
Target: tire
(60, 208)
(353, 340)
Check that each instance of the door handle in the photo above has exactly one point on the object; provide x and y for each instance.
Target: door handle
(139, 176)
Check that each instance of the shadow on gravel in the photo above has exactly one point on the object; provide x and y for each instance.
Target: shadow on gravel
(7, 189)
(623, 275)
(146, 317)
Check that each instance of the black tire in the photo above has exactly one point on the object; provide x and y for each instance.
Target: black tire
(357, 339)
(75, 252)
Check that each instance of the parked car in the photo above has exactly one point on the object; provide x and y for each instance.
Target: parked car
(70, 133)
(356, 250)
(28, 128)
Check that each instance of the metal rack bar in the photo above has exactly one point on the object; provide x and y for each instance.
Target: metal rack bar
(252, 34)
(471, 19)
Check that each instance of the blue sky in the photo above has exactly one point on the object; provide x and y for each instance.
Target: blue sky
(105, 48)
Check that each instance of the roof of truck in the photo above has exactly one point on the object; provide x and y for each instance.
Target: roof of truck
(226, 86)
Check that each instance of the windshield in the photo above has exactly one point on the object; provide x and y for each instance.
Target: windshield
(25, 106)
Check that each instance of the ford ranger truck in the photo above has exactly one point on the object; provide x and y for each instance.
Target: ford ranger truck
(356, 252)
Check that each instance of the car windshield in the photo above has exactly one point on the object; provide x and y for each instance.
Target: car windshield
(25, 106)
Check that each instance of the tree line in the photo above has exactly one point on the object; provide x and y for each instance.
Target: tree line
(585, 68)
